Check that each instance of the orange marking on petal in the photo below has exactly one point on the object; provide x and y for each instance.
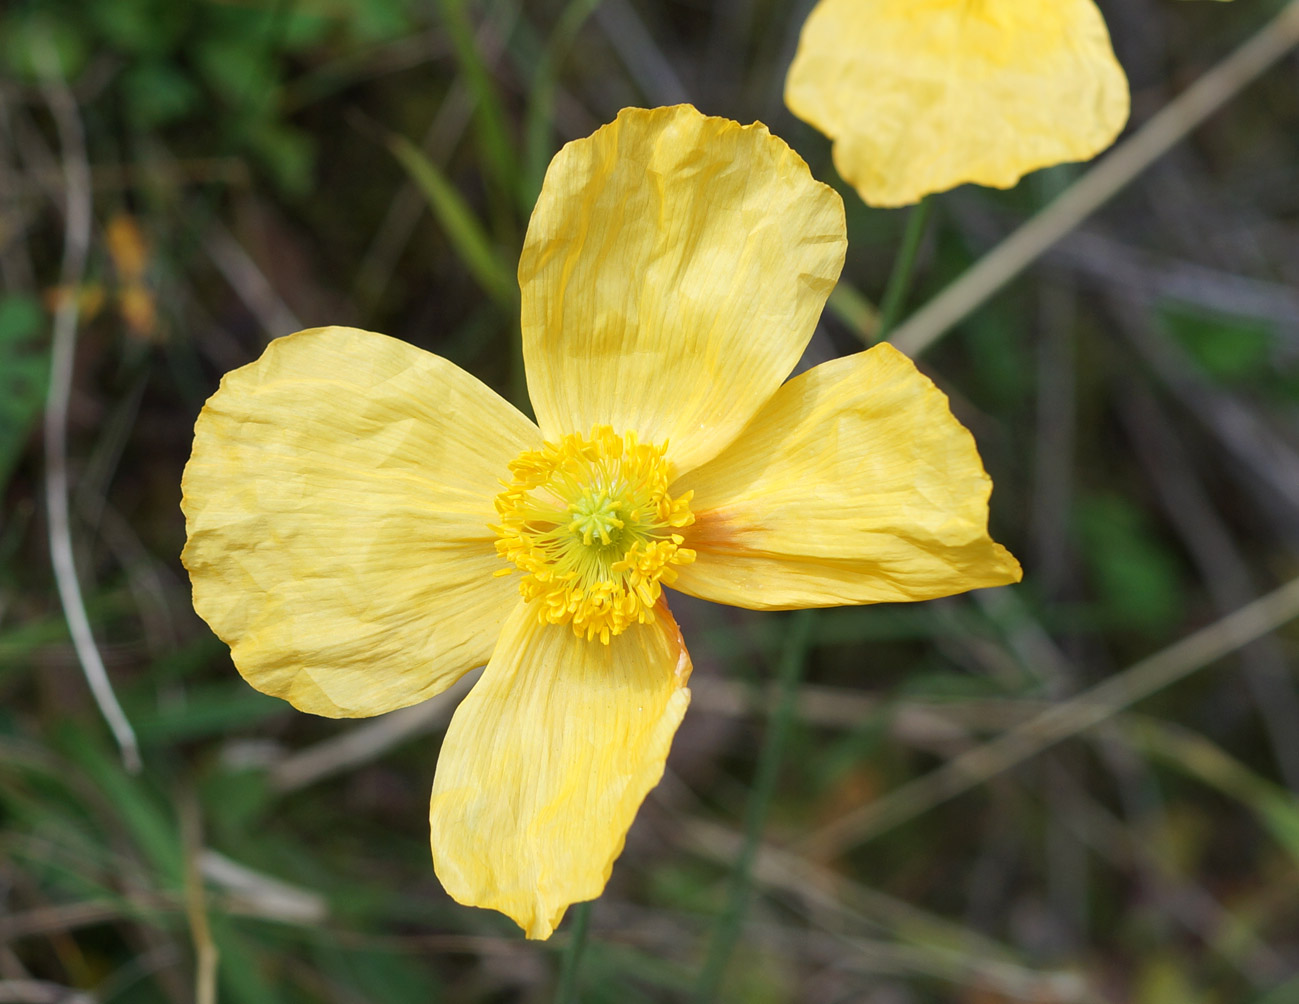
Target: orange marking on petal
(715, 532)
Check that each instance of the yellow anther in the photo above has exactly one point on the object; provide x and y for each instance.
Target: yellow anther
(590, 523)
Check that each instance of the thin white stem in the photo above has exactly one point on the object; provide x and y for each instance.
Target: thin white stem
(76, 245)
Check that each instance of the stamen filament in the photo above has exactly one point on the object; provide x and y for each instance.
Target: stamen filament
(589, 521)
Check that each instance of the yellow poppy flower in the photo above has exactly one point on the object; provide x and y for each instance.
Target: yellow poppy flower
(922, 95)
(352, 501)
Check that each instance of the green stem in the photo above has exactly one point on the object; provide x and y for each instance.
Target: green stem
(895, 293)
(729, 925)
(566, 993)
(537, 145)
(493, 133)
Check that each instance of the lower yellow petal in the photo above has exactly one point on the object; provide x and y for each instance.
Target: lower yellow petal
(923, 95)
(337, 505)
(854, 485)
(547, 760)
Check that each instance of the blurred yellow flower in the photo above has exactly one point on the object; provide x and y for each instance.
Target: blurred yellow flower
(367, 522)
(922, 95)
(133, 295)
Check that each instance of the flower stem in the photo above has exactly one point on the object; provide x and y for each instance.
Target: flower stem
(569, 973)
(895, 293)
(729, 925)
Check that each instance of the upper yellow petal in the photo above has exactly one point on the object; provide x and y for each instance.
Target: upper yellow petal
(853, 485)
(674, 269)
(922, 95)
(337, 505)
(547, 760)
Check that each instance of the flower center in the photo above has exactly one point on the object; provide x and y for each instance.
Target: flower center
(591, 525)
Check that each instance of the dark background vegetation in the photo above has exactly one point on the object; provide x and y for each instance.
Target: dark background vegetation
(261, 167)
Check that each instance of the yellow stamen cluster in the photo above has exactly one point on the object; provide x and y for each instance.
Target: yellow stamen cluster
(590, 523)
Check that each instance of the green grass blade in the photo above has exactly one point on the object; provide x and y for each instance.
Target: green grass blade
(899, 284)
(1192, 754)
(727, 933)
(571, 971)
(463, 229)
(498, 151)
(849, 304)
(537, 143)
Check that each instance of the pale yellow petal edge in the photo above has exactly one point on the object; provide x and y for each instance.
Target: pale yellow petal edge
(876, 79)
(337, 525)
(528, 815)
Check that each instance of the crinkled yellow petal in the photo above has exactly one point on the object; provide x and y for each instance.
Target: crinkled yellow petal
(673, 272)
(853, 485)
(922, 95)
(547, 760)
(337, 505)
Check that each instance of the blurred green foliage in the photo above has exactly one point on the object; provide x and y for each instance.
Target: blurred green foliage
(208, 66)
(1138, 579)
(24, 375)
(376, 162)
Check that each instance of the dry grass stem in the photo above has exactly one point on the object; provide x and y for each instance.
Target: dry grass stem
(40, 992)
(252, 892)
(1058, 722)
(932, 946)
(196, 907)
(364, 743)
(1127, 160)
(250, 282)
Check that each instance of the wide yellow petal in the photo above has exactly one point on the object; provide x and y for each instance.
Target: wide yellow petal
(673, 272)
(922, 95)
(337, 505)
(853, 485)
(547, 760)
